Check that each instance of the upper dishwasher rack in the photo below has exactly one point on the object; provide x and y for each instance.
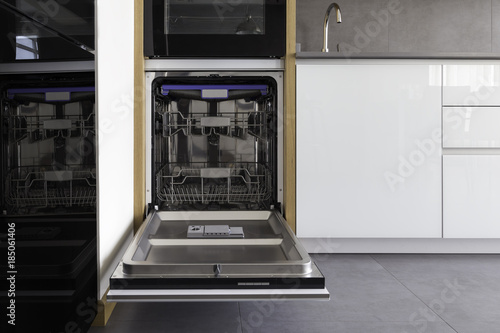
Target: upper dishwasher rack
(38, 114)
(233, 122)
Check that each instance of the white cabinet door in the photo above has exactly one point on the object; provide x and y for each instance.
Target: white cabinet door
(471, 85)
(368, 151)
(471, 127)
(471, 196)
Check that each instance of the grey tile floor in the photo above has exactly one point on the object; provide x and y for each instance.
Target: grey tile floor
(370, 293)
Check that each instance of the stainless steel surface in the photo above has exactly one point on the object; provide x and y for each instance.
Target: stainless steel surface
(213, 65)
(338, 15)
(210, 295)
(254, 185)
(213, 149)
(162, 247)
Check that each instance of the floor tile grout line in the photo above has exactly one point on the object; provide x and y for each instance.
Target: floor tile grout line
(406, 287)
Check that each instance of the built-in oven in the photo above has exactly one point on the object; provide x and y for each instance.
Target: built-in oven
(221, 28)
(215, 187)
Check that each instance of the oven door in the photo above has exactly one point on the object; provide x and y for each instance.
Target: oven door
(203, 28)
(216, 256)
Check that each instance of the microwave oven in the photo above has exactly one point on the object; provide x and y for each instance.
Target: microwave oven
(214, 28)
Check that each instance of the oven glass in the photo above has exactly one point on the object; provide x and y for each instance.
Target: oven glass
(208, 17)
(46, 30)
(214, 28)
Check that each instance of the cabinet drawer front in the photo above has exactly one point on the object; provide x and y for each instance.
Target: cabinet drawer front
(471, 85)
(471, 193)
(471, 127)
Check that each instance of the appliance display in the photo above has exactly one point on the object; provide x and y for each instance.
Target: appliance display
(215, 230)
(48, 201)
(201, 28)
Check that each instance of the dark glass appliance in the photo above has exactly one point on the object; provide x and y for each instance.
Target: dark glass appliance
(46, 30)
(48, 201)
(206, 28)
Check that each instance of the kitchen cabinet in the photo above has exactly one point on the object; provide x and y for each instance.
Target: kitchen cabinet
(471, 161)
(471, 84)
(368, 150)
(471, 127)
(471, 193)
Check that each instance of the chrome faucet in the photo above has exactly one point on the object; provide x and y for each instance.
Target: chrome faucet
(325, 24)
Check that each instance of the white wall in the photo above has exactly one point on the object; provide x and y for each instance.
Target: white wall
(115, 88)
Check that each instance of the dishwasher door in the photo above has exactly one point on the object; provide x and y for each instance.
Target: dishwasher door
(216, 256)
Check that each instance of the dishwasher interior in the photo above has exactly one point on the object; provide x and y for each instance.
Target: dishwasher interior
(215, 143)
(216, 186)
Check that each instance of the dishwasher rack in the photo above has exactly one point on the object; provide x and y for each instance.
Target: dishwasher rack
(225, 183)
(233, 124)
(40, 187)
(232, 110)
(37, 128)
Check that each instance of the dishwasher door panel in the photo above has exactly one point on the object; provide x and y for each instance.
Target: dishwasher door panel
(165, 262)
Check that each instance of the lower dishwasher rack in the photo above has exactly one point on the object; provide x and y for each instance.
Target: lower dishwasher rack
(163, 264)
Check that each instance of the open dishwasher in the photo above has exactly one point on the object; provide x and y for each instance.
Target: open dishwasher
(215, 230)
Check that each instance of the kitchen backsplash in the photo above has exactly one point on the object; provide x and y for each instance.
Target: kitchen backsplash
(402, 26)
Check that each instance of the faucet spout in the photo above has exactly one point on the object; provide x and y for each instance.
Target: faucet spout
(325, 23)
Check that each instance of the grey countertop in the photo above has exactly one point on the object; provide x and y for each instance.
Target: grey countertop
(398, 55)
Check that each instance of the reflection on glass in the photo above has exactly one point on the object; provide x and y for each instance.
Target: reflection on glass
(46, 30)
(474, 76)
(47, 185)
(26, 48)
(214, 17)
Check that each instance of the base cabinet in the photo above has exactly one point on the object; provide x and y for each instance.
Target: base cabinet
(369, 151)
(471, 196)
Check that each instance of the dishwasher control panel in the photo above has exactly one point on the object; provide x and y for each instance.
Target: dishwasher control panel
(214, 231)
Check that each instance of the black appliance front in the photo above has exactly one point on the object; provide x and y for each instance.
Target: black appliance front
(48, 201)
(201, 28)
(52, 30)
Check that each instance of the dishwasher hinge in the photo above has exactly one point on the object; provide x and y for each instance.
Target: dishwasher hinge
(150, 208)
(277, 206)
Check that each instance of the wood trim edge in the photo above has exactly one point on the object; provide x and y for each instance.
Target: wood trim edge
(139, 117)
(104, 311)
